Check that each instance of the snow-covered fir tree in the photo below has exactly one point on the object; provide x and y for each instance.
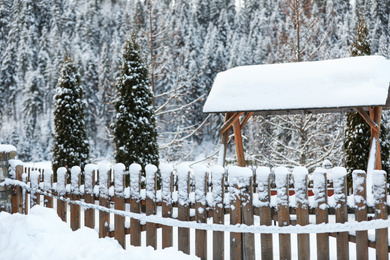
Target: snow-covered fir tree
(71, 146)
(135, 132)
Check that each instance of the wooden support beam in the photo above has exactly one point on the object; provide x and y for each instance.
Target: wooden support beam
(368, 119)
(238, 141)
(246, 119)
(230, 122)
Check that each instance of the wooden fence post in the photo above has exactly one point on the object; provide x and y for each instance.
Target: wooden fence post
(119, 203)
(16, 170)
(25, 194)
(7, 152)
(282, 185)
(381, 235)
(75, 220)
(166, 196)
(135, 207)
(300, 186)
(340, 195)
(200, 210)
(35, 198)
(104, 185)
(183, 183)
(89, 183)
(359, 191)
(263, 186)
(219, 211)
(47, 186)
(61, 191)
(248, 239)
(151, 187)
(321, 197)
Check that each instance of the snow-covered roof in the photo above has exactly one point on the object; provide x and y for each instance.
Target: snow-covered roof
(319, 86)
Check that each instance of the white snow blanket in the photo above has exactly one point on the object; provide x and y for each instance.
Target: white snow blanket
(42, 235)
(348, 82)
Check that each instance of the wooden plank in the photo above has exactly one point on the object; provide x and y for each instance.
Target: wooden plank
(25, 179)
(104, 184)
(359, 191)
(368, 119)
(119, 204)
(302, 212)
(61, 192)
(264, 193)
(248, 239)
(238, 141)
(18, 190)
(166, 196)
(234, 118)
(34, 182)
(235, 218)
(200, 211)
(246, 119)
(183, 207)
(151, 187)
(89, 183)
(321, 196)
(381, 235)
(340, 195)
(282, 185)
(47, 186)
(75, 219)
(135, 205)
(218, 180)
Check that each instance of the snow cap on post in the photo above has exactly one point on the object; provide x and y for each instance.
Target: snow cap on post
(262, 179)
(166, 172)
(75, 179)
(379, 185)
(281, 181)
(61, 181)
(240, 176)
(34, 179)
(119, 171)
(200, 173)
(6, 148)
(217, 173)
(47, 179)
(88, 180)
(300, 184)
(182, 183)
(151, 171)
(319, 187)
(135, 175)
(104, 171)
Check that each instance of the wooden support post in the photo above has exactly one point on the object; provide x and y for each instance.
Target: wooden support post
(34, 182)
(200, 211)
(89, 183)
(246, 119)
(248, 239)
(135, 207)
(282, 185)
(375, 115)
(183, 179)
(233, 117)
(359, 191)
(119, 204)
(264, 193)
(166, 196)
(300, 186)
(151, 187)
(224, 141)
(238, 140)
(219, 210)
(47, 186)
(381, 235)
(75, 219)
(340, 195)
(104, 200)
(321, 196)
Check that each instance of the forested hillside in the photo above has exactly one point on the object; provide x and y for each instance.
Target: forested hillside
(185, 43)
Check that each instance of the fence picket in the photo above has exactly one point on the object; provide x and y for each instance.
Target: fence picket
(321, 198)
(61, 192)
(119, 204)
(282, 185)
(263, 184)
(381, 235)
(47, 186)
(359, 191)
(340, 195)
(200, 211)
(183, 183)
(235, 212)
(135, 207)
(75, 221)
(300, 186)
(219, 211)
(151, 187)
(16, 166)
(89, 183)
(34, 182)
(166, 196)
(248, 239)
(104, 185)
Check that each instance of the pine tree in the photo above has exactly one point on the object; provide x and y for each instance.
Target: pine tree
(357, 133)
(135, 133)
(71, 147)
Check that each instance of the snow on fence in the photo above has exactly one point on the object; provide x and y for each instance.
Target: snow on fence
(201, 199)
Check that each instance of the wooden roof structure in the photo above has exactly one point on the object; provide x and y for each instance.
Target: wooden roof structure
(344, 85)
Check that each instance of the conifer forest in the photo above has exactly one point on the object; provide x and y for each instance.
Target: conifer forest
(184, 44)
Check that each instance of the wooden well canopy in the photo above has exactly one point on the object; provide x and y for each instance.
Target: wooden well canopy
(333, 86)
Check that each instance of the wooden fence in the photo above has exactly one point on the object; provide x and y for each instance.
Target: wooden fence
(202, 195)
